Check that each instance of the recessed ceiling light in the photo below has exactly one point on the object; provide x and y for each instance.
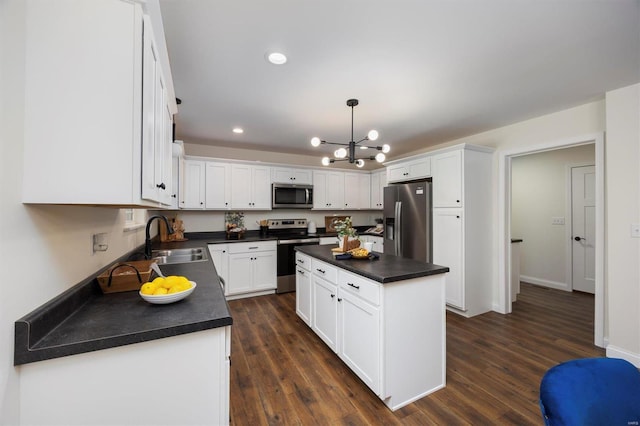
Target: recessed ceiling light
(238, 130)
(277, 58)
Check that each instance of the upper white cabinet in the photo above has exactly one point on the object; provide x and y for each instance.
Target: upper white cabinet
(462, 231)
(192, 193)
(406, 170)
(83, 111)
(291, 175)
(250, 187)
(157, 123)
(357, 191)
(378, 182)
(447, 179)
(217, 185)
(328, 190)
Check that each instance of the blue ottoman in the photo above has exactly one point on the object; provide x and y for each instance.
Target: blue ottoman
(591, 391)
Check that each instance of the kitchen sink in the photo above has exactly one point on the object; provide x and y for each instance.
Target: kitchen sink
(186, 255)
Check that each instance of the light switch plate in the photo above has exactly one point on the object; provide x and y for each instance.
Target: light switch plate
(557, 220)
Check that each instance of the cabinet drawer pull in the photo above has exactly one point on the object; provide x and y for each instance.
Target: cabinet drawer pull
(333, 295)
(339, 299)
(253, 248)
(320, 270)
(357, 287)
(300, 272)
(300, 261)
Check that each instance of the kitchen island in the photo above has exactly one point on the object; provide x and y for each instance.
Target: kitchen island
(384, 317)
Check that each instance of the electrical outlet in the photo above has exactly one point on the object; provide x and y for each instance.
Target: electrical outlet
(635, 230)
(557, 220)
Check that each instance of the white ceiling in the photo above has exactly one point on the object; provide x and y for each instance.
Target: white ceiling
(425, 71)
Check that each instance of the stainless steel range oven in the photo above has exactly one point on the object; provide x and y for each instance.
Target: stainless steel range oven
(291, 233)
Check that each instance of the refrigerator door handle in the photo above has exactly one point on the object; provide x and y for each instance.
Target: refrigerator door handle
(398, 228)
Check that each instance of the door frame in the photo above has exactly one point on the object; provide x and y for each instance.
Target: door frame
(569, 220)
(504, 222)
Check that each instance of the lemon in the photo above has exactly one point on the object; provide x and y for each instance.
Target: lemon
(160, 291)
(170, 281)
(158, 281)
(176, 289)
(148, 288)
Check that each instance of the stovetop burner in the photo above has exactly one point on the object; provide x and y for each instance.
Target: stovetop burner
(287, 228)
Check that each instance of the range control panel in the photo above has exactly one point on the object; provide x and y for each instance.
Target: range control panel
(287, 223)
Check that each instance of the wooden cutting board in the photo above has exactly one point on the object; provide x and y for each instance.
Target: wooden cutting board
(329, 222)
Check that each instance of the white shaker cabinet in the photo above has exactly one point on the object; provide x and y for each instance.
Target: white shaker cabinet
(217, 185)
(83, 119)
(220, 256)
(378, 182)
(447, 175)
(252, 269)
(357, 191)
(303, 287)
(250, 187)
(462, 227)
(406, 170)
(328, 190)
(192, 193)
(291, 175)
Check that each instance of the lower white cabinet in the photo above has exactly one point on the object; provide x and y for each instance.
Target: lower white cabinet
(252, 268)
(303, 287)
(94, 382)
(447, 250)
(392, 336)
(220, 256)
(378, 242)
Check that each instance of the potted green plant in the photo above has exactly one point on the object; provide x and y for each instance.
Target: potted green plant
(347, 234)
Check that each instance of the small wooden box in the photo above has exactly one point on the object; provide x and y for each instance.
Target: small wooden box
(125, 276)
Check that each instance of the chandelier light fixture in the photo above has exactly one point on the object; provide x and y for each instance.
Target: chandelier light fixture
(349, 153)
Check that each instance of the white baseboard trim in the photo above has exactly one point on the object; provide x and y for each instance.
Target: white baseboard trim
(545, 283)
(615, 352)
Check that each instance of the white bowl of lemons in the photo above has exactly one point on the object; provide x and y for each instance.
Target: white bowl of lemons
(163, 290)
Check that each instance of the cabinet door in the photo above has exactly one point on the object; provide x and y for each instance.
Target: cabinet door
(303, 295)
(335, 190)
(359, 333)
(264, 270)
(397, 173)
(166, 193)
(261, 187)
(281, 175)
(377, 243)
(150, 121)
(192, 194)
(447, 179)
(240, 273)
(218, 186)
(364, 191)
(302, 176)
(448, 251)
(325, 311)
(420, 168)
(351, 191)
(177, 164)
(378, 182)
(320, 190)
(220, 259)
(241, 186)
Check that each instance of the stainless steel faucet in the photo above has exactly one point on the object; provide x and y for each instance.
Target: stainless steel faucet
(147, 239)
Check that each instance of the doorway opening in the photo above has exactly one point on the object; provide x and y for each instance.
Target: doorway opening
(505, 216)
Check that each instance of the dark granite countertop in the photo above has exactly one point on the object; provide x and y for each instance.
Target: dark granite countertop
(386, 269)
(82, 319)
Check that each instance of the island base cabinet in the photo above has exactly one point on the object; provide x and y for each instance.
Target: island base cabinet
(325, 311)
(359, 345)
(148, 383)
(303, 295)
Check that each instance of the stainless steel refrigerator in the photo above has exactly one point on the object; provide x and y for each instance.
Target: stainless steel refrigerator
(407, 220)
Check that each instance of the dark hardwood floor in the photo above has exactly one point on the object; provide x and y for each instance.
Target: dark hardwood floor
(282, 373)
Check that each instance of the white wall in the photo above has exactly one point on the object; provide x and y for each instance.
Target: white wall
(539, 192)
(44, 249)
(623, 208)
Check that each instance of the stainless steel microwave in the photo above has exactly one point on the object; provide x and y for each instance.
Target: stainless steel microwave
(291, 196)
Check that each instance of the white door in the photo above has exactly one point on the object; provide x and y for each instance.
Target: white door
(583, 220)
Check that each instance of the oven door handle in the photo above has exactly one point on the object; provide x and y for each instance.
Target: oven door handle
(299, 241)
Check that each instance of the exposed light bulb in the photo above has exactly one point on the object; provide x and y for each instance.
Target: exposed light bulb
(380, 157)
(340, 153)
(372, 135)
(363, 147)
(277, 58)
(360, 163)
(238, 130)
(386, 148)
(326, 161)
(315, 141)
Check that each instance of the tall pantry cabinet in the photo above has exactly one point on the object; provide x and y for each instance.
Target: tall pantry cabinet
(462, 227)
(98, 106)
